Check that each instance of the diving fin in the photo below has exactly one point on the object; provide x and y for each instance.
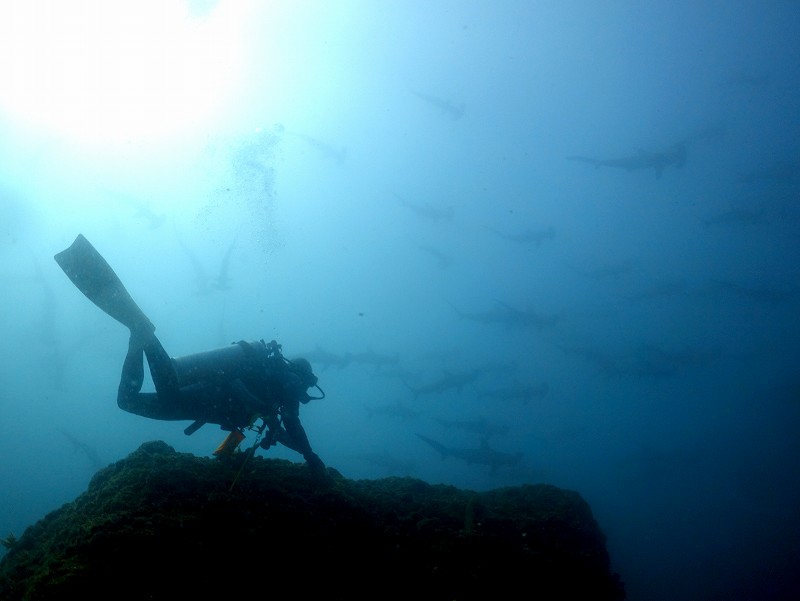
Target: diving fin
(93, 276)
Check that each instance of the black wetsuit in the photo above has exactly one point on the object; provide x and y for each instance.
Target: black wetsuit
(230, 386)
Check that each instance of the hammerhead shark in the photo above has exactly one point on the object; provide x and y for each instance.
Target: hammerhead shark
(445, 106)
(396, 409)
(510, 317)
(481, 426)
(377, 360)
(337, 155)
(529, 236)
(427, 211)
(201, 278)
(524, 393)
(223, 280)
(674, 156)
(51, 351)
(444, 260)
(89, 451)
(482, 455)
(325, 358)
(449, 381)
(141, 209)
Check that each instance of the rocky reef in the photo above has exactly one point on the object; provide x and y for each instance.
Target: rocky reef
(161, 524)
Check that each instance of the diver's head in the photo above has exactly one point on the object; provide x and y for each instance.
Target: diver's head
(302, 369)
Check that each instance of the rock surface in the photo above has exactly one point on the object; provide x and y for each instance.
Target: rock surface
(160, 524)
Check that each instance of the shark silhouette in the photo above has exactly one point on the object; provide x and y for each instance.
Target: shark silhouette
(674, 156)
(510, 317)
(535, 237)
(50, 348)
(223, 280)
(525, 393)
(445, 106)
(89, 451)
(646, 361)
(427, 211)
(326, 151)
(482, 455)
(141, 209)
(201, 278)
(481, 426)
(325, 358)
(377, 360)
(449, 381)
(396, 409)
(444, 260)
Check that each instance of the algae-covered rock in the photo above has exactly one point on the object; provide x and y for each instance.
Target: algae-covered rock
(160, 524)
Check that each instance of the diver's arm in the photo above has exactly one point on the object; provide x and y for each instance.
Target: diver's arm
(298, 441)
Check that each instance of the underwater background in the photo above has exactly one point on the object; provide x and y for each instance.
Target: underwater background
(568, 230)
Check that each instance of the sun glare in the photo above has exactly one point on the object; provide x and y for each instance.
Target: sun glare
(105, 72)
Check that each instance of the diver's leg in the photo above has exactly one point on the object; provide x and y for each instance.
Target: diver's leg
(130, 383)
(165, 378)
(162, 404)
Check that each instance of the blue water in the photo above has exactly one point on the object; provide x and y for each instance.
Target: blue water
(391, 180)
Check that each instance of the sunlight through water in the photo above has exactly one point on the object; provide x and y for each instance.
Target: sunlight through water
(97, 73)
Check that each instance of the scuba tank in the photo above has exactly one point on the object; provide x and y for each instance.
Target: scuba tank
(254, 363)
(238, 360)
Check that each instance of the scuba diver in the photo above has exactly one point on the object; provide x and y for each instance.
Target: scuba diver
(233, 386)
